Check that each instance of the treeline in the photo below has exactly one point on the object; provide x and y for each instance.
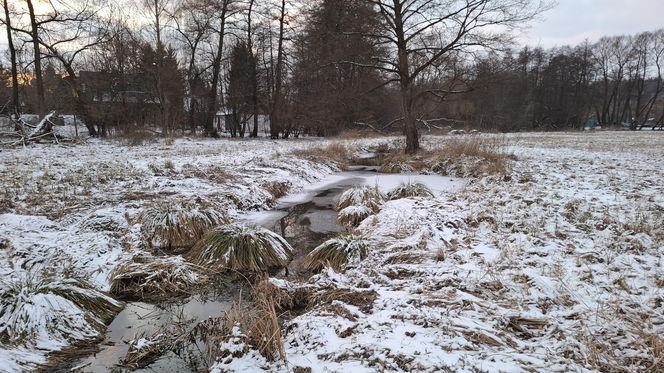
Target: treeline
(281, 68)
(615, 81)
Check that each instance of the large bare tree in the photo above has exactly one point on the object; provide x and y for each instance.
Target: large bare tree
(424, 34)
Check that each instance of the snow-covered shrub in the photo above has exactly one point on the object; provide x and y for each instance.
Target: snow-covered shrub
(410, 189)
(155, 277)
(337, 253)
(37, 308)
(363, 195)
(172, 225)
(243, 248)
(352, 216)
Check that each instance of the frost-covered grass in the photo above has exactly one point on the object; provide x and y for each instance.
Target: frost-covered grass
(352, 216)
(242, 248)
(151, 277)
(557, 267)
(553, 265)
(178, 224)
(74, 209)
(410, 189)
(41, 310)
(363, 195)
(337, 253)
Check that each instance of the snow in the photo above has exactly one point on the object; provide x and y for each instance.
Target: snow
(558, 268)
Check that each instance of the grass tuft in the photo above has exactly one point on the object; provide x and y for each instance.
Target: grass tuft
(472, 156)
(352, 216)
(337, 253)
(172, 225)
(410, 189)
(64, 308)
(242, 248)
(363, 195)
(148, 277)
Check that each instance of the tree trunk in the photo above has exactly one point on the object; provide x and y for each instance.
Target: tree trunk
(275, 115)
(409, 121)
(12, 55)
(41, 110)
(254, 77)
(216, 69)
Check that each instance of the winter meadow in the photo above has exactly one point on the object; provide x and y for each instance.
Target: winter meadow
(331, 186)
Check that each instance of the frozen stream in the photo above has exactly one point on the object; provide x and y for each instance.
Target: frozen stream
(305, 219)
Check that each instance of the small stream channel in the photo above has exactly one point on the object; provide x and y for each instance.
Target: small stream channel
(305, 219)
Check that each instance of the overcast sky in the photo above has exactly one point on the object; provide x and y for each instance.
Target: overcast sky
(573, 21)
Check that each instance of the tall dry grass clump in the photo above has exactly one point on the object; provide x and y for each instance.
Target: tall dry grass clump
(178, 225)
(472, 156)
(335, 152)
(337, 253)
(63, 308)
(410, 189)
(363, 195)
(149, 277)
(242, 248)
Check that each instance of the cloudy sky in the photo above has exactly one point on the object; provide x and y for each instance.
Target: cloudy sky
(573, 21)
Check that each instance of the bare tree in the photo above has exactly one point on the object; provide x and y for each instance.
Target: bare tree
(12, 56)
(423, 34)
(223, 10)
(192, 21)
(34, 33)
(277, 96)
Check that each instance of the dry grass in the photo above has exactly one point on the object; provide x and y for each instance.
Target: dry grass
(256, 326)
(410, 189)
(143, 350)
(335, 152)
(176, 225)
(352, 216)
(471, 156)
(242, 248)
(147, 277)
(364, 195)
(29, 304)
(337, 253)
(277, 189)
(363, 300)
(285, 297)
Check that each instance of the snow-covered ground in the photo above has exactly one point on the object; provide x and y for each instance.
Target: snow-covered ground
(558, 268)
(72, 209)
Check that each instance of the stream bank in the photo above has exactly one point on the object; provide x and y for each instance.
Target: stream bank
(305, 219)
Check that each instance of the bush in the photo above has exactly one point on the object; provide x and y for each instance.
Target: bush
(337, 253)
(410, 189)
(172, 225)
(55, 308)
(243, 248)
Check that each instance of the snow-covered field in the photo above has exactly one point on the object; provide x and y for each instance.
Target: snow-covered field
(556, 268)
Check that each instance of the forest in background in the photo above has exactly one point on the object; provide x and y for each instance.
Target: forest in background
(317, 67)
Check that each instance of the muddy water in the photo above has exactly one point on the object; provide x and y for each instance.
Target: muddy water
(305, 219)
